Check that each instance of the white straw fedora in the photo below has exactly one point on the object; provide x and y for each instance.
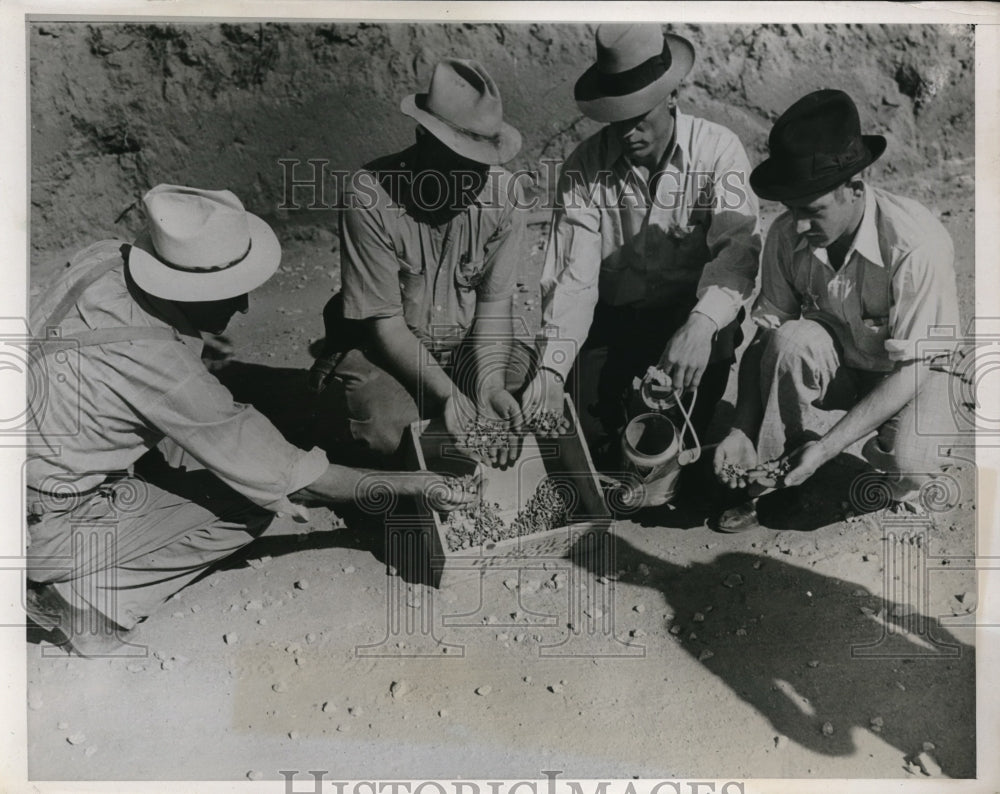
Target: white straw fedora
(638, 66)
(201, 245)
(463, 110)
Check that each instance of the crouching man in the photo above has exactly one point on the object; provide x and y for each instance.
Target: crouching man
(106, 547)
(431, 239)
(853, 278)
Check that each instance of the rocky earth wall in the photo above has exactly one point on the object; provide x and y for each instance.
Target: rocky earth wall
(118, 107)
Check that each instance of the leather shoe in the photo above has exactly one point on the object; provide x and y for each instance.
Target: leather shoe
(83, 630)
(741, 518)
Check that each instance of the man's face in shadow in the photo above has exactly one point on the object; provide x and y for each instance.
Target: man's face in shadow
(213, 316)
(444, 182)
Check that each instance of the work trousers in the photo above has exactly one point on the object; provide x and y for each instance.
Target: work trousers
(127, 546)
(364, 410)
(804, 379)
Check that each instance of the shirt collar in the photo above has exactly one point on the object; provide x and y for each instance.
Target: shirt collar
(865, 240)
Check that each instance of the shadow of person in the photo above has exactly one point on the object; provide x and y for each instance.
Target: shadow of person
(798, 647)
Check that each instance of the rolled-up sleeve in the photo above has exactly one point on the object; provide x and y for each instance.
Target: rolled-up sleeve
(571, 273)
(368, 262)
(924, 298)
(232, 440)
(778, 301)
(733, 237)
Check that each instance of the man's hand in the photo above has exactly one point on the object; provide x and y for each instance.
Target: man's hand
(500, 406)
(446, 494)
(545, 394)
(218, 351)
(734, 457)
(686, 355)
(804, 462)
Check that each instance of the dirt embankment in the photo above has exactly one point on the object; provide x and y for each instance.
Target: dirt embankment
(116, 108)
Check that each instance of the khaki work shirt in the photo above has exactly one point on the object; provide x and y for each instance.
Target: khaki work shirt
(106, 405)
(896, 286)
(395, 263)
(687, 235)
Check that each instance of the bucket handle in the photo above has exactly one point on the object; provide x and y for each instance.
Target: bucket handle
(688, 455)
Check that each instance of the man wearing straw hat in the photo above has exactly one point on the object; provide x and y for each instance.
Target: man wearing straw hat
(654, 244)
(431, 238)
(119, 360)
(854, 278)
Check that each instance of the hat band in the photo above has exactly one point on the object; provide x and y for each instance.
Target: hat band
(213, 269)
(494, 139)
(636, 78)
(824, 163)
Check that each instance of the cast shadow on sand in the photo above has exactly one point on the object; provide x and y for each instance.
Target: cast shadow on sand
(798, 647)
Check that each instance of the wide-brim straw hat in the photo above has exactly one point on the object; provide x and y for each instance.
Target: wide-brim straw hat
(463, 110)
(201, 245)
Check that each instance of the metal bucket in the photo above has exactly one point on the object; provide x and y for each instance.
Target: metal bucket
(653, 450)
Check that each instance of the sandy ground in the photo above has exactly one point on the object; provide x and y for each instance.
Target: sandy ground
(806, 649)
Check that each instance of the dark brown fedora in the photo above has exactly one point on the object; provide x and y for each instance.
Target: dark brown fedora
(814, 146)
(638, 66)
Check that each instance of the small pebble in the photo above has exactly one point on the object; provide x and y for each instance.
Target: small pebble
(167, 664)
(293, 735)
(262, 621)
(828, 729)
(76, 738)
(35, 703)
(814, 663)
(328, 707)
(483, 690)
(253, 606)
(733, 580)
(527, 679)
(640, 608)
(231, 638)
(929, 747)
(518, 637)
(555, 688)
(398, 689)
(302, 584)
(698, 617)
(90, 751)
(177, 615)
(253, 774)
(781, 741)
(705, 654)
(928, 765)
(637, 633)
(281, 686)
(310, 638)
(676, 629)
(349, 569)
(757, 564)
(692, 636)
(741, 632)
(63, 726)
(195, 608)
(442, 713)
(876, 722)
(510, 584)
(355, 711)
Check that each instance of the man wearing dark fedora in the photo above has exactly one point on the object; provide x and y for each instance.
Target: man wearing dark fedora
(654, 245)
(431, 239)
(114, 526)
(854, 278)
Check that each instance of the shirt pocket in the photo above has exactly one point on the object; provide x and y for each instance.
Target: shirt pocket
(470, 272)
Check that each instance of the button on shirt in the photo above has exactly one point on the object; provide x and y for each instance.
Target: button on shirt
(688, 235)
(896, 285)
(394, 262)
(109, 404)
